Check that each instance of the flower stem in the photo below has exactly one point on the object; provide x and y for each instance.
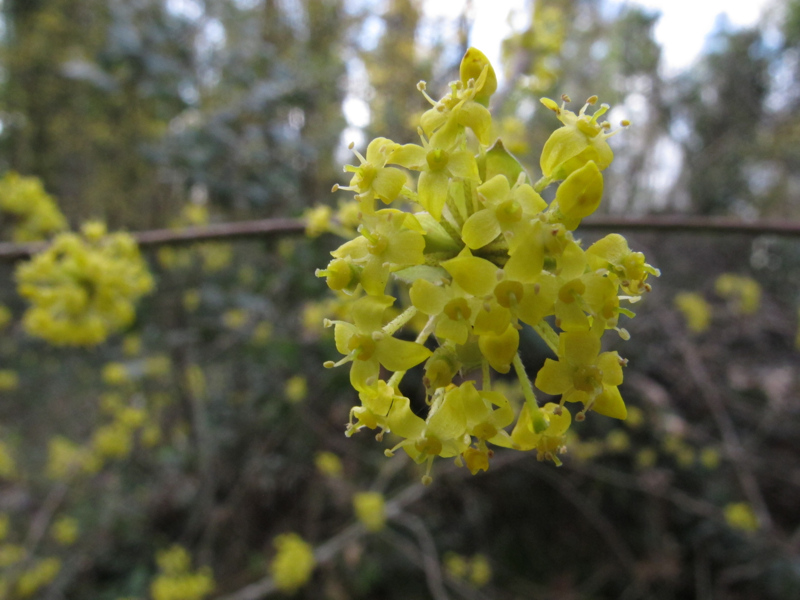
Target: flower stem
(539, 423)
(404, 317)
(548, 334)
(541, 184)
(397, 376)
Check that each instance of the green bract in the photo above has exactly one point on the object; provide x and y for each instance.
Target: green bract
(473, 258)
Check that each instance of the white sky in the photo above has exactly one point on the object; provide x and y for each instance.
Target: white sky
(681, 30)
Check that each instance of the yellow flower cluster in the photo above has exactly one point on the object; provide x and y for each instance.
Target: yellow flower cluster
(293, 564)
(212, 256)
(37, 576)
(83, 288)
(176, 580)
(480, 255)
(476, 570)
(695, 310)
(35, 213)
(370, 509)
(742, 292)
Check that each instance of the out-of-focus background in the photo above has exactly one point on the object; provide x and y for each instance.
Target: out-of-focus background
(213, 427)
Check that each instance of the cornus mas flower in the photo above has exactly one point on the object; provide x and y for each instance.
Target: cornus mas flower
(465, 264)
(83, 288)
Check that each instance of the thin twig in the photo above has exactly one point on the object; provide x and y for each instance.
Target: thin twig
(430, 557)
(10, 252)
(709, 392)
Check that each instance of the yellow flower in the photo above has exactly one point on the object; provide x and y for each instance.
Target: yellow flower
(318, 220)
(37, 576)
(65, 530)
(176, 581)
(372, 178)
(115, 373)
(9, 380)
(296, 388)
(293, 564)
(370, 509)
(5, 316)
(83, 288)
(695, 310)
(369, 348)
(580, 140)
(329, 464)
(35, 212)
(582, 374)
(484, 258)
(744, 293)
(740, 515)
(235, 318)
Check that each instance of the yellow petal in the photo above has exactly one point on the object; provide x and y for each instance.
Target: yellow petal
(610, 403)
(480, 229)
(432, 189)
(410, 156)
(496, 189)
(462, 164)
(399, 355)
(580, 194)
(500, 350)
(554, 378)
(427, 297)
(579, 348)
(476, 276)
(609, 363)
(403, 421)
(388, 183)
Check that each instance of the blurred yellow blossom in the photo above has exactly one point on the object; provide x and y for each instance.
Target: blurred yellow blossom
(176, 581)
(7, 463)
(235, 318)
(743, 293)
(293, 564)
(262, 333)
(695, 310)
(11, 554)
(82, 288)
(5, 316)
(710, 458)
(618, 441)
(646, 458)
(328, 464)
(9, 380)
(131, 344)
(65, 530)
(296, 388)
(35, 211)
(40, 574)
(115, 373)
(191, 300)
(740, 515)
(370, 509)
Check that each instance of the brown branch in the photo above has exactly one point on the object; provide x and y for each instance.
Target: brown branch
(692, 224)
(10, 252)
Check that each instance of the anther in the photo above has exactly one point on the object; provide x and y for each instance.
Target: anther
(335, 187)
(351, 145)
(591, 100)
(566, 98)
(329, 364)
(625, 123)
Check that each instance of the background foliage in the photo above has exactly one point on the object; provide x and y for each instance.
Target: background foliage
(206, 418)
